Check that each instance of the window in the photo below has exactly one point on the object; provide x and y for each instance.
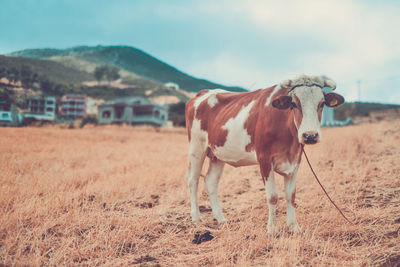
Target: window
(50, 102)
(157, 113)
(49, 109)
(4, 115)
(5, 107)
(143, 110)
(106, 114)
(119, 111)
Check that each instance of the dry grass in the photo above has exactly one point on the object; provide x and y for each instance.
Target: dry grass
(118, 196)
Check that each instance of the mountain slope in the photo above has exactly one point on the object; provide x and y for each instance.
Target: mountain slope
(51, 69)
(128, 59)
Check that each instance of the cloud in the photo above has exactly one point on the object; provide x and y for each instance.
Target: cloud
(346, 40)
(365, 34)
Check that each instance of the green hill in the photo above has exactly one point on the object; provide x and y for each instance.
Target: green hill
(38, 76)
(130, 60)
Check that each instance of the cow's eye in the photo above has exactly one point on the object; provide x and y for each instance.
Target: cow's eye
(293, 105)
(322, 105)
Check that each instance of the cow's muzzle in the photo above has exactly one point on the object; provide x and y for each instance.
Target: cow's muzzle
(310, 138)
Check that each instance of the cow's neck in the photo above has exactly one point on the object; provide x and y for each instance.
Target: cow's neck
(287, 135)
(295, 144)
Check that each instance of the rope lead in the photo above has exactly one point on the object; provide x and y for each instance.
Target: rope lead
(312, 170)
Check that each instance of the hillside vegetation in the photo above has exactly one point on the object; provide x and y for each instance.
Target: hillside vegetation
(22, 77)
(43, 69)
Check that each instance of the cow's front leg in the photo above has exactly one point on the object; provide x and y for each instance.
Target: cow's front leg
(290, 194)
(196, 159)
(212, 179)
(272, 199)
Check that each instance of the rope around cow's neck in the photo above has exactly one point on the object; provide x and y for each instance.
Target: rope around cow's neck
(312, 170)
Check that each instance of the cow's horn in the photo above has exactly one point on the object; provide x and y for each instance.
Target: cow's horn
(286, 83)
(330, 83)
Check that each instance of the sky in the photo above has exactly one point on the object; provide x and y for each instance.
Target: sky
(253, 43)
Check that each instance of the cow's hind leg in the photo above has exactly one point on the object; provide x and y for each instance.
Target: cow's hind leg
(212, 179)
(290, 194)
(196, 160)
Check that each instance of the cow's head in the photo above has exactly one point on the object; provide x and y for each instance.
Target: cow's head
(306, 99)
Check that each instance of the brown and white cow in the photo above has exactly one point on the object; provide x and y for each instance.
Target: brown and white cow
(265, 127)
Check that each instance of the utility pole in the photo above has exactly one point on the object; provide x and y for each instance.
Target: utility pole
(359, 90)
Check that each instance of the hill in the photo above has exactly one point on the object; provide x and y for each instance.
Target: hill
(129, 59)
(362, 109)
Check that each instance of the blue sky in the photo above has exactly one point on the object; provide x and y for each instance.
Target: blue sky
(250, 43)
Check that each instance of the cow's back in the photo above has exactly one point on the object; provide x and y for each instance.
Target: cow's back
(205, 102)
(225, 121)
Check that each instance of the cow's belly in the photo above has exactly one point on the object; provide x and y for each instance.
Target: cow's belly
(235, 157)
(233, 151)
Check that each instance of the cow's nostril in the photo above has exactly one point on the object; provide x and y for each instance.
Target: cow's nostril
(310, 136)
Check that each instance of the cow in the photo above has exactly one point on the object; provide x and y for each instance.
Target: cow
(267, 127)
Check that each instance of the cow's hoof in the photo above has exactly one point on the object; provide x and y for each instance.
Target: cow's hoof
(221, 220)
(294, 228)
(272, 230)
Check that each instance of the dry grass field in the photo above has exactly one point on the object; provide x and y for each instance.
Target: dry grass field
(118, 196)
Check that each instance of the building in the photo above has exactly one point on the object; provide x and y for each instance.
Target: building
(8, 111)
(172, 85)
(132, 110)
(92, 105)
(328, 115)
(41, 108)
(73, 107)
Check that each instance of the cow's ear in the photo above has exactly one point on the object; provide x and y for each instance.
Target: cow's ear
(333, 100)
(282, 102)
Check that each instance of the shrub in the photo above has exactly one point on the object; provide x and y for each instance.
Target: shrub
(90, 120)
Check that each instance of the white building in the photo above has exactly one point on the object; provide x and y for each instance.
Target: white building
(328, 114)
(172, 85)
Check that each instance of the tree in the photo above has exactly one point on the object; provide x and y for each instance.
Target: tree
(13, 75)
(109, 72)
(46, 85)
(99, 73)
(3, 72)
(26, 76)
(112, 74)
